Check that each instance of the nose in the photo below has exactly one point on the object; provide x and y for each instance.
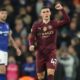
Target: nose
(46, 15)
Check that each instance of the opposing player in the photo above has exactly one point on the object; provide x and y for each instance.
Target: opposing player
(44, 33)
(5, 35)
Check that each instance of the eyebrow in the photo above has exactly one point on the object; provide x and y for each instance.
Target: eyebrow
(46, 11)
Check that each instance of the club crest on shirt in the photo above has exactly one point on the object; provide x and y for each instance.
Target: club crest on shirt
(49, 27)
(44, 29)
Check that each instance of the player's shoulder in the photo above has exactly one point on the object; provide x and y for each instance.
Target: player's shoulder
(53, 21)
(6, 24)
(36, 23)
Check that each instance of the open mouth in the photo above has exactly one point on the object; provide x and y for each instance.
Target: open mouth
(46, 16)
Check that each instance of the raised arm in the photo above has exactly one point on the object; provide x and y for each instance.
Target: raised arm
(66, 18)
(32, 37)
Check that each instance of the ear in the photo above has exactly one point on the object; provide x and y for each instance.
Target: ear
(50, 13)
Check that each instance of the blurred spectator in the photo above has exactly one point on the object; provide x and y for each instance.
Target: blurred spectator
(22, 11)
(70, 62)
(76, 2)
(26, 18)
(59, 73)
(6, 2)
(31, 11)
(28, 68)
(74, 41)
(9, 8)
(24, 49)
(24, 36)
(18, 27)
(52, 1)
(20, 58)
(39, 5)
(22, 2)
(73, 27)
(12, 69)
(64, 38)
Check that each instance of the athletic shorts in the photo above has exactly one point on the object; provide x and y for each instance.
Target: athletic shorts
(45, 60)
(3, 57)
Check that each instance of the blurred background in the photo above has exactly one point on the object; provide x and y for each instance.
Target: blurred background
(22, 14)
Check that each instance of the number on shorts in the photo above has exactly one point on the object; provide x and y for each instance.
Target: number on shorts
(54, 61)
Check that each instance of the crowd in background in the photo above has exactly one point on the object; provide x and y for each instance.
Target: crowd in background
(21, 15)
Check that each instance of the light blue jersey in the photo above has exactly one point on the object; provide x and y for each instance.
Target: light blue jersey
(4, 31)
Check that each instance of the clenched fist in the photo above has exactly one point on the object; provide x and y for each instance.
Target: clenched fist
(58, 6)
(31, 48)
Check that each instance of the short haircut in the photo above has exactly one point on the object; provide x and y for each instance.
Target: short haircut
(2, 8)
(45, 7)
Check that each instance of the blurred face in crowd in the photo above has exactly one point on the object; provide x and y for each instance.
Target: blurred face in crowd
(71, 50)
(18, 22)
(45, 13)
(64, 35)
(29, 59)
(22, 11)
(6, 2)
(11, 59)
(18, 25)
(73, 25)
(24, 48)
(3, 15)
(64, 51)
(10, 9)
(29, 9)
(23, 34)
(74, 41)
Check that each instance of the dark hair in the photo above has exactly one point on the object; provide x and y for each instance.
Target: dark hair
(29, 55)
(45, 7)
(2, 8)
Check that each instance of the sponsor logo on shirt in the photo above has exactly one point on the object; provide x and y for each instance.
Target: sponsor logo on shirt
(5, 33)
(44, 29)
(49, 27)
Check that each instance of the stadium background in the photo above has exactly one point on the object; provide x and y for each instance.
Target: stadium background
(22, 14)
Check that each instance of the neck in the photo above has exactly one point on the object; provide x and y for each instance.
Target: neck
(46, 21)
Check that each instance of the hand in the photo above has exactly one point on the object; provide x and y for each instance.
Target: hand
(31, 48)
(18, 51)
(58, 6)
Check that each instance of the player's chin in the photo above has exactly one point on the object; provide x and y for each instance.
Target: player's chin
(46, 18)
(4, 19)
